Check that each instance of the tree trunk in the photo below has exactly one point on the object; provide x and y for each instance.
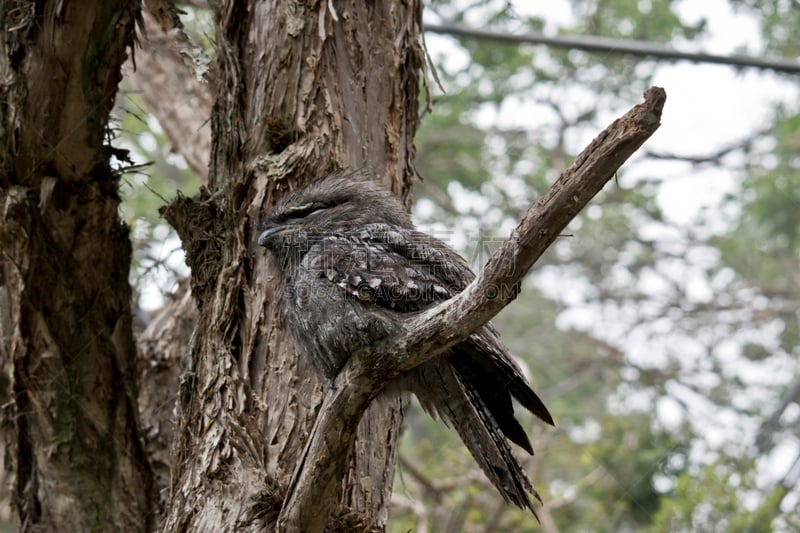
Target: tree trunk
(65, 318)
(304, 88)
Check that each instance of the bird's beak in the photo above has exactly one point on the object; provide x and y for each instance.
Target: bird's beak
(264, 238)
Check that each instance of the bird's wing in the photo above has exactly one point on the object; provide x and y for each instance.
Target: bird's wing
(483, 359)
(406, 270)
(391, 267)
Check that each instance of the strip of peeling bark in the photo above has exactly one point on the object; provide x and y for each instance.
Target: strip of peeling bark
(67, 344)
(313, 489)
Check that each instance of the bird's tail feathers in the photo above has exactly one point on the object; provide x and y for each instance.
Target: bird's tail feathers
(441, 393)
(485, 354)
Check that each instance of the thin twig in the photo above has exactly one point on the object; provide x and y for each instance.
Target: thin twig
(592, 43)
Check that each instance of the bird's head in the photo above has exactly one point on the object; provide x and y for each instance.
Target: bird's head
(336, 204)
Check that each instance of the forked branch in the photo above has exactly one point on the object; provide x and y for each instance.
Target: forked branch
(314, 487)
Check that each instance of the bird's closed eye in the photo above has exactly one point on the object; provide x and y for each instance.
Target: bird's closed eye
(302, 211)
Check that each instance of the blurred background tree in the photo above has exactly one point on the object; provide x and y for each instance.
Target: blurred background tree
(663, 329)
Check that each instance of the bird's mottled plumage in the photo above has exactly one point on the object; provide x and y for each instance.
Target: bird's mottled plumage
(353, 265)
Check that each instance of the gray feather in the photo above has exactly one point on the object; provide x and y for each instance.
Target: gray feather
(353, 265)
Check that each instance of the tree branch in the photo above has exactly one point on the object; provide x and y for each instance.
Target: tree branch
(714, 157)
(765, 439)
(605, 45)
(313, 489)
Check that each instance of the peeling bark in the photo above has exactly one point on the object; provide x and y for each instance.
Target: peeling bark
(304, 88)
(67, 344)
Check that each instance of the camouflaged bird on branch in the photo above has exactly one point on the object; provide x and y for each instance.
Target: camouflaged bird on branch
(353, 268)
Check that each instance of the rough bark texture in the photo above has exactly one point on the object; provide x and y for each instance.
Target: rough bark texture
(162, 360)
(304, 88)
(65, 320)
